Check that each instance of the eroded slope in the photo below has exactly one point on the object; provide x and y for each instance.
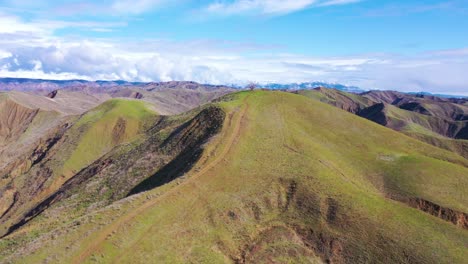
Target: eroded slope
(66, 152)
(286, 180)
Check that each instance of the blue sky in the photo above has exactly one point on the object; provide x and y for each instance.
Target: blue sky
(399, 45)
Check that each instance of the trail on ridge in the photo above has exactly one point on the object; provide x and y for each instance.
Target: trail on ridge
(108, 230)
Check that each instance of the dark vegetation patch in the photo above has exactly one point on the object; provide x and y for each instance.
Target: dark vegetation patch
(375, 113)
(187, 141)
(118, 132)
(275, 244)
(415, 107)
(126, 169)
(463, 133)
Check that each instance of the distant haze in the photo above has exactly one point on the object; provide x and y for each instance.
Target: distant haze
(406, 46)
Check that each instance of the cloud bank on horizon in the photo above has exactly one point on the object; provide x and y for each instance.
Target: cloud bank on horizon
(371, 44)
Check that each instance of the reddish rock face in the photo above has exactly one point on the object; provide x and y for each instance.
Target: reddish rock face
(457, 218)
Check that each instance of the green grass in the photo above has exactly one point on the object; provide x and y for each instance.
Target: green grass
(333, 97)
(340, 169)
(98, 125)
(90, 136)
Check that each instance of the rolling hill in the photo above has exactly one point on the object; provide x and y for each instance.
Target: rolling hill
(255, 177)
(442, 122)
(29, 121)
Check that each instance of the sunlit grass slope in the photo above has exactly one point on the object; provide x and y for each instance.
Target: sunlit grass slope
(432, 128)
(287, 180)
(114, 122)
(90, 136)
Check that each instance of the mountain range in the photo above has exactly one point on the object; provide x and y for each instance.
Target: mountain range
(181, 172)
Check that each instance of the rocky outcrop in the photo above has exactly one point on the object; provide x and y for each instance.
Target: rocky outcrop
(52, 94)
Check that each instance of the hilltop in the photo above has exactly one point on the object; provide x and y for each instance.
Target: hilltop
(277, 177)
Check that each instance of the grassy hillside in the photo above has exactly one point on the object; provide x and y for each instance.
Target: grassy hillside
(287, 180)
(27, 120)
(436, 121)
(171, 98)
(70, 150)
(347, 101)
(112, 123)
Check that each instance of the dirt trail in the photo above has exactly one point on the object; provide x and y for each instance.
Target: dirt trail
(108, 230)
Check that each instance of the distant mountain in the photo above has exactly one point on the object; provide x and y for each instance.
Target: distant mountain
(40, 85)
(43, 86)
(427, 94)
(312, 85)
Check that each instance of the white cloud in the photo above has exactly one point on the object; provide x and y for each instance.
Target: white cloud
(269, 7)
(4, 54)
(136, 6)
(31, 50)
(338, 2)
(208, 61)
(11, 24)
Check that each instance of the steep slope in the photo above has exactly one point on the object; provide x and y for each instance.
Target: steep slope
(30, 125)
(169, 150)
(388, 97)
(77, 102)
(24, 126)
(437, 121)
(70, 150)
(445, 108)
(347, 101)
(286, 180)
(174, 97)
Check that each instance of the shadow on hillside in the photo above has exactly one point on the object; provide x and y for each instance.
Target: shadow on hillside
(187, 140)
(183, 163)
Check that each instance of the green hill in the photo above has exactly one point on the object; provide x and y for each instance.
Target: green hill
(70, 149)
(287, 180)
(437, 121)
(112, 123)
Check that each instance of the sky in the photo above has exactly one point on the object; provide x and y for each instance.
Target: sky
(399, 45)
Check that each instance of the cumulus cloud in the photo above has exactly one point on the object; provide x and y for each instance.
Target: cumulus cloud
(439, 71)
(32, 50)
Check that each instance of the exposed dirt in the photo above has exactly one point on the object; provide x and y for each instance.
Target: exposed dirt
(7, 199)
(330, 249)
(275, 243)
(116, 175)
(118, 132)
(457, 218)
(104, 233)
(14, 120)
(186, 143)
(35, 155)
